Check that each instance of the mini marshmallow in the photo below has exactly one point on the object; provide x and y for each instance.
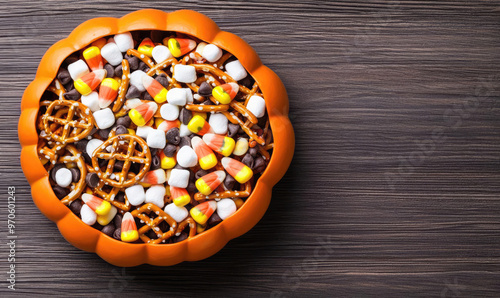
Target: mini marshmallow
(143, 131)
(219, 123)
(179, 178)
(225, 208)
(88, 215)
(177, 213)
(92, 146)
(112, 53)
(91, 101)
(186, 157)
(161, 53)
(177, 96)
(136, 79)
(184, 130)
(236, 70)
(211, 52)
(135, 194)
(184, 73)
(156, 139)
(124, 41)
(63, 177)
(257, 105)
(169, 112)
(189, 95)
(104, 118)
(155, 195)
(78, 69)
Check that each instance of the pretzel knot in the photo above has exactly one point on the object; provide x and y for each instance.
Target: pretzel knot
(76, 123)
(127, 148)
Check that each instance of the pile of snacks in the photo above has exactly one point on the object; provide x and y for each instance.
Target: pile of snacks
(153, 136)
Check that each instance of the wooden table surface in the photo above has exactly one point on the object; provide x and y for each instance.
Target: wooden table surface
(394, 189)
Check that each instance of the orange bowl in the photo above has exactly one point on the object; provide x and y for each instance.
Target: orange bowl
(201, 246)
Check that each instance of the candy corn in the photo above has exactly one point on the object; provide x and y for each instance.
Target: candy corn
(206, 156)
(107, 218)
(208, 183)
(154, 177)
(225, 93)
(199, 126)
(166, 125)
(129, 228)
(180, 46)
(166, 162)
(141, 114)
(222, 144)
(93, 57)
(99, 206)
(108, 92)
(155, 89)
(180, 196)
(202, 212)
(87, 83)
(237, 169)
(146, 47)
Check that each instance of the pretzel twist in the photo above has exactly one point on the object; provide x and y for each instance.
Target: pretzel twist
(153, 223)
(183, 224)
(226, 194)
(207, 108)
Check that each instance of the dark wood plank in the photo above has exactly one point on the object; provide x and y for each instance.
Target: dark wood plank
(394, 187)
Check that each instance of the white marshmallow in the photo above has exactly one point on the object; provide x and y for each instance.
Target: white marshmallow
(186, 157)
(257, 105)
(91, 101)
(88, 215)
(78, 69)
(177, 96)
(104, 118)
(225, 208)
(169, 111)
(155, 195)
(177, 213)
(132, 103)
(179, 178)
(143, 131)
(161, 53)
(136, 79)
(112, 53)
(219, 123)
(156, 139)
(124, 41)
(211, 52)
(241, 147)
(64, 177)
(184, 130)
(189, 95)
(236, 70)
(135, 194)
(92, 146)
(184, 73)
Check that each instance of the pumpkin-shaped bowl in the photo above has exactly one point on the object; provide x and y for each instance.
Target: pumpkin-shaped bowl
(196, 248)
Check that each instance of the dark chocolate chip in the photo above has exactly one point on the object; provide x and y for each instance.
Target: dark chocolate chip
(87, 158)
(253, 151)
(248, 160)
(173, 136)
(185, 141)
(183, 236)
(92, 179)
(132, 92)
(69, 86)
(185, 116)
(72, 95)
(104, 133)
(82, 145)
(71, 59)
(63, 76)
(102, 162)
(207, 102)
(75, 173)
(232, 130)
(93, 131)
(60, 192)
(259, 165)
(118, 71)
(214, 219)
(143, 66)
(205, 89)
(200, 173)
(108, 230)
(119, 165)
(162, 80)
(110, 70)
(120, 197)
(133, 63)
(229, 182)
(120, 130)
(97, 226)
(192, 187)
(55, 169)
(247, 82)
(76, 206)
(117, 234)
(147, 96)
(170, 150)
(155, 162)
(179, 167)
(124, 121)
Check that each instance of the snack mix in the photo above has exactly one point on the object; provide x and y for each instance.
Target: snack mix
(152, 136)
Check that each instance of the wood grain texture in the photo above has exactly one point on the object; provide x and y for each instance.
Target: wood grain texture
(394, 189)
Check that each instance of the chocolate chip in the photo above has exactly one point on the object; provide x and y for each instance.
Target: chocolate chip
(259, 165)
(108, 230)
(118, 165)
(75, 173)
(143, 66)
(82, 145)
(97, 226)
(72, 95)
(200, 173)
(87, 158)
(248, 160)
(173, 136)
(104, 133)
(118, 220)
(162, 79)
(133, 62)
(110, 70)
(179, 167)
(183, 236)
(207, 102)
(76, 206)
(192, 187)
(155, 162)
(147, 96)
(120, 197)
(124, 121)
(69, 86)
(118, 71)
(170, 150)
(185, 141)
(102, 162)
(229, 182)
(253, 151)
(214, 219)
(60, 192)
(92, 180)
(132, 92)
(232, 130)
(93, 131)
(185, 116)
(205, 89)
(63, 76)
(247, 82)
(71, 59)
(151, 234)
(120, 130)
(55, 169)
(135, 168)
(117, 234)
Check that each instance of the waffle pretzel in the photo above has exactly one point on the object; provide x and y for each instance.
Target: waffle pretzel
(73, 129)
(75, 157)
(111, 195)
(226, 194)
(151, 223)
(131, 154)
